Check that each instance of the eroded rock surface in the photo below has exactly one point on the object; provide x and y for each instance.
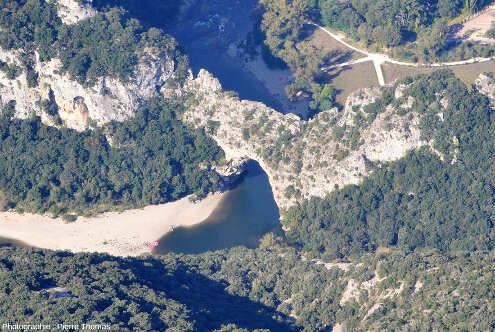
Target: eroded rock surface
(486, 85)
(109, 99)
(303, 158)
(70, 11)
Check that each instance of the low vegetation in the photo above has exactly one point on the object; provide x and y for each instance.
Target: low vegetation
(348, 79)
(466, 73)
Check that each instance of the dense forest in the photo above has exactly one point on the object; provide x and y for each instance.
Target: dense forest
(246, 290)
(431, 212)
(394, 23)
(153, 159)
(389, 23)
(441, 200)
(107, 44)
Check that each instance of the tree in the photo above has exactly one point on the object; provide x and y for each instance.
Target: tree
(434, 38)
(449, 8)
(323, 97)
(491, 32)
(388, 37)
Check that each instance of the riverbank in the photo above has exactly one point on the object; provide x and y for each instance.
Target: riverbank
(116, 233)
(274, 80)
(246, 214)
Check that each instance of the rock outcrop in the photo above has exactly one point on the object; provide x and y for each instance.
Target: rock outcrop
(303, 158)
(70, 11)
(109, 99)
(486, 85)
(231, 173)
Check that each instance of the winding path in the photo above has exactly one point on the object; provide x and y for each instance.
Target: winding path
(379, 59)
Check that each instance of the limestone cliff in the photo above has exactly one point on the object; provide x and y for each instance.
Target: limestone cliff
(109, 99)
(303, 158)
(57, 96)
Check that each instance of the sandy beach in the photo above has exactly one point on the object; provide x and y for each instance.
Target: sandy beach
(116, 233)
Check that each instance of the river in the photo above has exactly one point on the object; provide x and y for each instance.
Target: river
(242, 218)
(207, 31)
(230, 74)
(248, 211)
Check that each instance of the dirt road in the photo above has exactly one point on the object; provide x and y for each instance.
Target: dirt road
(379, 58)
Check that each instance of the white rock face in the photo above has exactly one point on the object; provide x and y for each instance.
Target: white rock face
(301, 158)
(109, 99)
(486, 86)
(71, 12)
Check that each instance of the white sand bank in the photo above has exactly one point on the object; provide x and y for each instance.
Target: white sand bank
(121, 234)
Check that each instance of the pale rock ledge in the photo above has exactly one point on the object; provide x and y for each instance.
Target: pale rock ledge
(70, 11)
(486, 86)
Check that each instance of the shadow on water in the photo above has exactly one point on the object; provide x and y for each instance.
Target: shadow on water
(205, 31)
(246, 213)
(208, 29)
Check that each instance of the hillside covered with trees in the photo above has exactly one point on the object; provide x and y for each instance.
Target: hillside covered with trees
(107, 44)
(409, 248)
(279, 26)
(248, 290)
(440, 199)
(149, 159)
(153, 159)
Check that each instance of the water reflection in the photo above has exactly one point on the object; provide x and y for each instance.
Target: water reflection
(242, 218)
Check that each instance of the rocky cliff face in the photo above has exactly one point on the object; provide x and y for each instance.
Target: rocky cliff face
(303, 158)
(109, 99)
(486, 85)
(70, 11)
